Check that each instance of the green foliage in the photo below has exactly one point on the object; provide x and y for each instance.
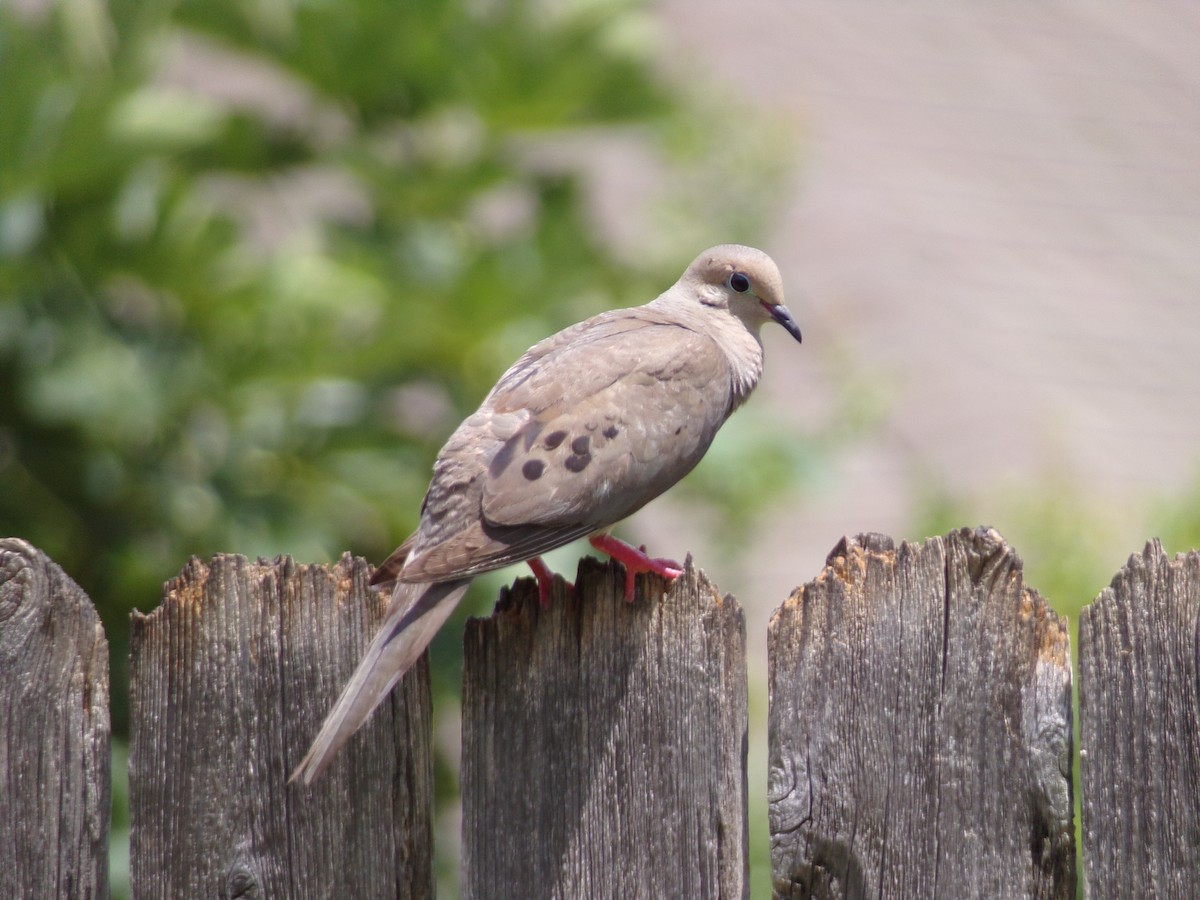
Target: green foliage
(1177, 520)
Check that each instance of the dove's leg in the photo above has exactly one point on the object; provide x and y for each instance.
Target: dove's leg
(634, 560)
(545, 580)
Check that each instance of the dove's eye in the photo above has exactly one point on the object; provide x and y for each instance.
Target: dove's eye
(739, 282)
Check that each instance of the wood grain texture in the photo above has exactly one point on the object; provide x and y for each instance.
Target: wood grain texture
(920, 727)
(54, 732)
(230, 679)
(1139, 718)
(604, 743)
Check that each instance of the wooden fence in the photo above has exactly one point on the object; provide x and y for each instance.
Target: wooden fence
(920, 735)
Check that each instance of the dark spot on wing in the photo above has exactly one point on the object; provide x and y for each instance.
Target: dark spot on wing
(553, 439)
(531, 432)
(578, 463)
(533, 469)
(501, 460)
(611, 432)
(504, 457)
(581, 445)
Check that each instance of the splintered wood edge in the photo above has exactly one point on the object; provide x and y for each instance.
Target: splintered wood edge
(188, 588)
(847, 562)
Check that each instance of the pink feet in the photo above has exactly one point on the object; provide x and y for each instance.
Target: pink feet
(634, 560)
(545, 580)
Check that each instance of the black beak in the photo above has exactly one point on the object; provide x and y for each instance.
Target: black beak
(780, 314)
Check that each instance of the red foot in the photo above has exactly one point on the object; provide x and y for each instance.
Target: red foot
(545, 580)
(634, 560)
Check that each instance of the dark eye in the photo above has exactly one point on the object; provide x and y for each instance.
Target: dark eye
(739, 282)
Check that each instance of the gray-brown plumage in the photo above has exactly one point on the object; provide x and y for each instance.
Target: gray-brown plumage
(586, 428)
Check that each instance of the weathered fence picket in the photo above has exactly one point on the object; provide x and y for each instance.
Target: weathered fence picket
(54, 729)
(229, 679)
(920, 735)
(1139, 724)
(604, 742)
(920, 727)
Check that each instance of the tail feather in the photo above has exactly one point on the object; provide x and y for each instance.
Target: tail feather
(414, 616)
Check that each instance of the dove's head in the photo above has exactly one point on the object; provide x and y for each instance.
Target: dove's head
(742, 280)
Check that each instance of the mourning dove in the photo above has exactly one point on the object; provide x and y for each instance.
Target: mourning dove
(586, 428)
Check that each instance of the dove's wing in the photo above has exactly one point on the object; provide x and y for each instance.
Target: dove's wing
(597, 457)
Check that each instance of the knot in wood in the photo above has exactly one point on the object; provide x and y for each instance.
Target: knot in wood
(17, 575)
(242, 883)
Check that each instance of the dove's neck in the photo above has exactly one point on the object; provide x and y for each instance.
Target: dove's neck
(737, 340)
(742, 348)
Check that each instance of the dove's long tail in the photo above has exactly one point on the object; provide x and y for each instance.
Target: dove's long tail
(415, 614)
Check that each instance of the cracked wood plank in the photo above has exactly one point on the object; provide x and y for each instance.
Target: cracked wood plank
(230, 678)
(1139, 723)
(920, 727)
(604, 742)
(54, 732)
